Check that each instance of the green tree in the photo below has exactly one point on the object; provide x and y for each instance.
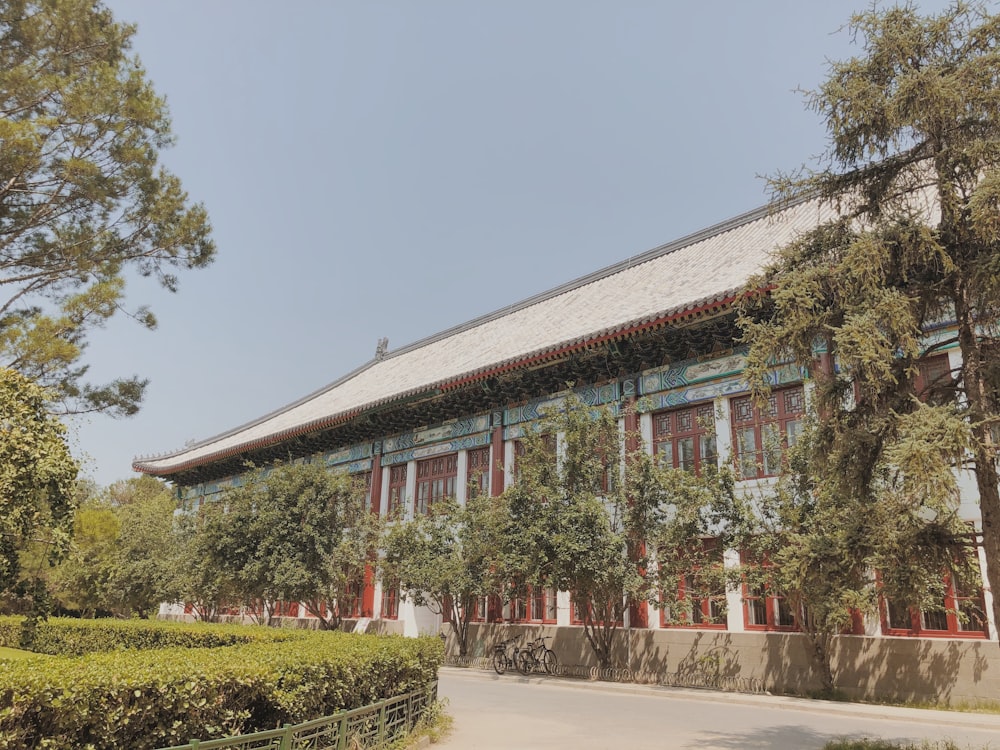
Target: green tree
(37, 475)
(198, 578)
(144, 550)
(447, 560)
(574, 525)
(83, 201)
(81, 581)
(296, 532)
(693, 519)
(912, 167)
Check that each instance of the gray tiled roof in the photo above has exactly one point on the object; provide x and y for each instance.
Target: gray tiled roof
(705, 267)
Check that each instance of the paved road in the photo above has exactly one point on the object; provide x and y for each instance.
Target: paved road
(503, 713)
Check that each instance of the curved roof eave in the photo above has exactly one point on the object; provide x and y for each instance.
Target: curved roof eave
(611, 303)
(530, 358)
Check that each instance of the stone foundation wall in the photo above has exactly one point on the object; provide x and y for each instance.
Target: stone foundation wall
(905, 669)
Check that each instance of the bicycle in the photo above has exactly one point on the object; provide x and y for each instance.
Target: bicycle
(536, 655)
(502, 660)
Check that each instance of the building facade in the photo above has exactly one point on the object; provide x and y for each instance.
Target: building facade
(657, 333)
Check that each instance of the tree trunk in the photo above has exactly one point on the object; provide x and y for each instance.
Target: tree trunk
(978, 400)
(458, 618)
(819, 646)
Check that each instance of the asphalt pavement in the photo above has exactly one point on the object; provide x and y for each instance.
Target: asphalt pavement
(493, 712)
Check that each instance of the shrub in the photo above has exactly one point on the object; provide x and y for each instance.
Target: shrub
(70, 637)
(156, 698)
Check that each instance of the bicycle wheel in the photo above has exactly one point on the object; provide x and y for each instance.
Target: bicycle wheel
(500, 663)
(549, 660)
(526, 662)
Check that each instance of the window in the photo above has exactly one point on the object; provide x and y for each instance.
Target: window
(548, 446)
(397, 489)
(480, 609)
(478, 471)
(578, 613)
(435, 481)
(364, 483)
(685, 438)
(963, 616)
(764, 608)
(607, 482)
(934, 379)
(352, 604)
(534, 604)
(700, 598)
(390, 600)
(761, 433)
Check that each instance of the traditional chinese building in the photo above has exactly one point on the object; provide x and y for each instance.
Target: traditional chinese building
(656, 331)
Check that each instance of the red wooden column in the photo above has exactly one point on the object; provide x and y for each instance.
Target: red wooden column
(376, 489)
(638, 613)
(494, 606)
(496, 446)
(375, 498)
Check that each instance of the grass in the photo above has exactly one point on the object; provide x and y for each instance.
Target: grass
(13, 653)
(886, 745)
(435, 724)
(976, 707)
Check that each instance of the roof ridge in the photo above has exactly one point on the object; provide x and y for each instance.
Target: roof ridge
(674, 245)
(678, 244)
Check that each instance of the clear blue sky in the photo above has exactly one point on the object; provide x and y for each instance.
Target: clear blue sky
(393, 168)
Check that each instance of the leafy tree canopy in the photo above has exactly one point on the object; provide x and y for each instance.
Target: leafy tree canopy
(593, 519)
(447, 559)
(37, 475)
(295, 532)
(868, 302)
(83, 200)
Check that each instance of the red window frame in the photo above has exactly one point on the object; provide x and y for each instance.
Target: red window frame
(534, 604)
(765, 610)
(397, 490)
(436, 479)
(549, 444)
(703, 613)
(390, 601)
(760, 435)
(478, 472)
(355, 600)
(683, 439)
(576, 616)
(364, 479)
(933, 372)
(913, 622)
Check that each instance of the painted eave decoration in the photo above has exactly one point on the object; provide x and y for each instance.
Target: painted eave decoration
(696, 275)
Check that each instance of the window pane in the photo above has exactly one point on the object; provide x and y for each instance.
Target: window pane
(665, 454)
(771, 440)
(936, 620)
(793, 428)
(709, 453)
(746, 439)
(783, 616)
(685, 453)
(550, 604)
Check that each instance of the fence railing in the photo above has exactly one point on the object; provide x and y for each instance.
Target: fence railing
(706, 678)
(369, 726)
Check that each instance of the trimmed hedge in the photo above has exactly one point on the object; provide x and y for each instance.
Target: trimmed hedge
(60, 636)
(148, 699)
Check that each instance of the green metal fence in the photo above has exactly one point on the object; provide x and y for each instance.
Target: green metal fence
(367, 727)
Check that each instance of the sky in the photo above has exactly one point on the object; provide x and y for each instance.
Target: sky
(391, 168)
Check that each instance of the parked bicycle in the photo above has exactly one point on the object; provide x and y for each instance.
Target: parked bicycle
(506, 654)
(536, 656)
